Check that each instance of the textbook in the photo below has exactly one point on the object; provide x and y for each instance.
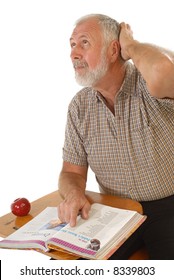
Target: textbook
(98, 237)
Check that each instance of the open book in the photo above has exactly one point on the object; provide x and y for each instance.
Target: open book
(96, 238)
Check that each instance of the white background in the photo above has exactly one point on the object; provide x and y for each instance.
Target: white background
(37, 83)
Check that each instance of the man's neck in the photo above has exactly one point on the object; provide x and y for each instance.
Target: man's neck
(110, 85)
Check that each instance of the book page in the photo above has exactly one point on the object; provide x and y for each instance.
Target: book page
(36, 232)
(90, 235)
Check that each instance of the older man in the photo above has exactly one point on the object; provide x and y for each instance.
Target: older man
(122, 126)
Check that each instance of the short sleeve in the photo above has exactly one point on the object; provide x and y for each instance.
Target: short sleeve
(166, 104)
(73, 150)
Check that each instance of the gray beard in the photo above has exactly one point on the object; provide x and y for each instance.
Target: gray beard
(90, 78)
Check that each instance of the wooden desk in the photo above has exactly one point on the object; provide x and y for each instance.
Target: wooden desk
(9, 222)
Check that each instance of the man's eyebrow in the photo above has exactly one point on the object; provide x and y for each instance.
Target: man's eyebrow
(81, 37)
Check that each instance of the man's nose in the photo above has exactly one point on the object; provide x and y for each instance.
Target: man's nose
(76, 53)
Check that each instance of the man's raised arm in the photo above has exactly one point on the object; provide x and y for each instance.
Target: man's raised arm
(154, 63)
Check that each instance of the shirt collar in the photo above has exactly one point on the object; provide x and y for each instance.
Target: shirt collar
(125, 89)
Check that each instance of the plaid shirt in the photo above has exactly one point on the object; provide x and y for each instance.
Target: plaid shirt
(131, 152)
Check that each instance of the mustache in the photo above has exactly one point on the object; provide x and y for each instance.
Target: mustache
(79, 63)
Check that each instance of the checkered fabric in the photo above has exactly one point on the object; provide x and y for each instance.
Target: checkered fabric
(131, 152)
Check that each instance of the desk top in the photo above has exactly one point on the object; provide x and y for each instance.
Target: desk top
(9, 222)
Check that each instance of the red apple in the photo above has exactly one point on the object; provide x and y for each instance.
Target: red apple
(20, 207)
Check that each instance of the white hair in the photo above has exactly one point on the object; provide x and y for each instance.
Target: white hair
(110, 27)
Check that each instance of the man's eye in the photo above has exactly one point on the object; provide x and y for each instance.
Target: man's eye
(85, 42)
(73, 45)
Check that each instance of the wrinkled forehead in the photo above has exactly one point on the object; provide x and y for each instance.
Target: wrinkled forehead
(88, 28)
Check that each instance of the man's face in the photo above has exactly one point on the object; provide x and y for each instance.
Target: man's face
(87, 53)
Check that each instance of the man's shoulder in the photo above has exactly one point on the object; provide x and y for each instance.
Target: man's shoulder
(132, 73)
(86, 91)
(85, 96)
(83, 105)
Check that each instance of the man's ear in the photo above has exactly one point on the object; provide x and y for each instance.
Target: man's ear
(114, 50)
